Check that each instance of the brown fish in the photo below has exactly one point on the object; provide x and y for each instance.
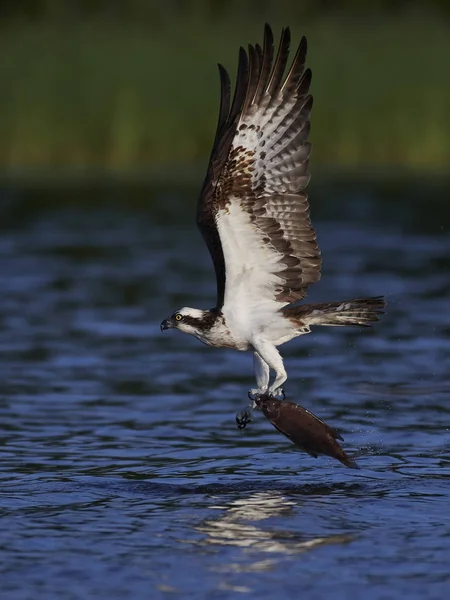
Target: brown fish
(304, 429)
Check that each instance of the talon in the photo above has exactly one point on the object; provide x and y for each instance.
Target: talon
(254, 394)
(277, 393)
(243, 418)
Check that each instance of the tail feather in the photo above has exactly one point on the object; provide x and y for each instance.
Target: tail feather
(361, 312)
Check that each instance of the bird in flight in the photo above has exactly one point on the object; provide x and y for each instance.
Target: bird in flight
(253, 213)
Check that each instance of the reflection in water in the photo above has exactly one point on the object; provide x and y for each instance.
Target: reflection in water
(237, 526)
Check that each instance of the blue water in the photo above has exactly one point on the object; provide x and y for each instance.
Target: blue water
(122, 474)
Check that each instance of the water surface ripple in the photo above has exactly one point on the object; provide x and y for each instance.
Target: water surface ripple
(122, 473)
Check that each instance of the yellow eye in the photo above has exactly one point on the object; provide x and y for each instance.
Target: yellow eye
(178, 317)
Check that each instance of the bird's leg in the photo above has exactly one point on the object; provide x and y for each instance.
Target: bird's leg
(270, 355)
(261, 369)
(265, 357)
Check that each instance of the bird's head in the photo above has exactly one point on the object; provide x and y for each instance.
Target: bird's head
(188, 320)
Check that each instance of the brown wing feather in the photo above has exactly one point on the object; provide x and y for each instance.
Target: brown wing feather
(226, 127)
(260, 160)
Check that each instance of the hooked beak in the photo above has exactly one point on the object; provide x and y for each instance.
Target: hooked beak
(166, 324)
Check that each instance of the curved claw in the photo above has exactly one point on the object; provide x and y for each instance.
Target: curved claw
(243, 418)
(279, 392)
(254, 394)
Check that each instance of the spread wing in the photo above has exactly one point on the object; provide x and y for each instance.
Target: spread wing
(253, 211)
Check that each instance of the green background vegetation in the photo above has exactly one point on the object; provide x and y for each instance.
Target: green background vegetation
(134, 85)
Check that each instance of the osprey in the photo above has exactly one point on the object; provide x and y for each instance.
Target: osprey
(253, 214)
